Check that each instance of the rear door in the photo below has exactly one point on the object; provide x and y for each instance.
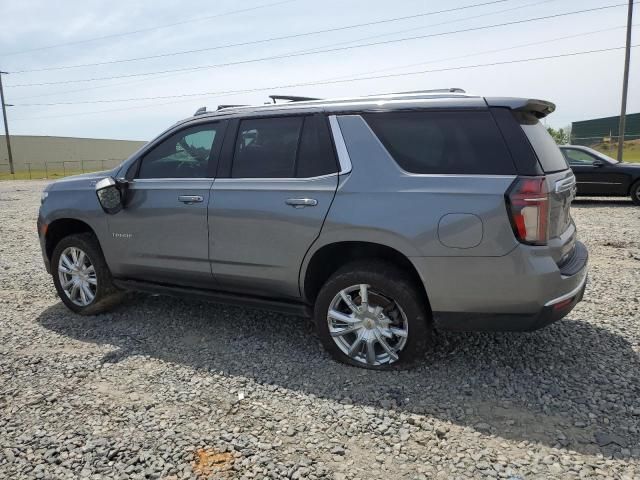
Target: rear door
(561, 185)
(268, 211)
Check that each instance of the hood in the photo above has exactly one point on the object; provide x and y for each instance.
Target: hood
(82, 181)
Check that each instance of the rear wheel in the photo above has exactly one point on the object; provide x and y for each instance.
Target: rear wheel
(635, 193)
(81, 276)
(369, 314)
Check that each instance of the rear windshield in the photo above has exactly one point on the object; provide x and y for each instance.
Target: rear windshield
(432, 142)
(548, 153)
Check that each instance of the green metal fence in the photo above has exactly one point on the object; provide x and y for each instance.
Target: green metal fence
(604, 130)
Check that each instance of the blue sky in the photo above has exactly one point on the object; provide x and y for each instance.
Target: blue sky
(582, 87)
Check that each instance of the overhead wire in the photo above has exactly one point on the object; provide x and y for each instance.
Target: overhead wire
(290, 55)
(131, 82)
(329, 82)
(148, 29)
(260, 41)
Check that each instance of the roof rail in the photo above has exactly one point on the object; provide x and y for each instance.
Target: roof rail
(434, 90)
(292, 98)
(200, 111)
(222, 107)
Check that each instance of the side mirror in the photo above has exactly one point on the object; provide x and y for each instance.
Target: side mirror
(598, 163)
(110, 195)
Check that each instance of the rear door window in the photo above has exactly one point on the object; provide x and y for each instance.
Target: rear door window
(283, 147)
(267, 147)
(432, 142)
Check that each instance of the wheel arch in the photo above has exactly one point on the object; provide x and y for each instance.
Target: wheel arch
(324, 261)
(63, 227)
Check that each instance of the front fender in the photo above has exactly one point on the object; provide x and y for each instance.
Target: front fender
(75, 204)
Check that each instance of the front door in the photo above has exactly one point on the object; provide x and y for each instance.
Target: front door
(162, 231)
(270, 209)
(599, 178)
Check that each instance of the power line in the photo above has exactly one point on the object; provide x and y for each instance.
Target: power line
(396, 67)
(423, 27)
(141, 30)
(484, 52)
(291, 55)
(265, 40)
(329, 82)
(369, 37)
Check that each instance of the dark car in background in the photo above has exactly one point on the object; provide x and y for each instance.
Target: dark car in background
(599, 175)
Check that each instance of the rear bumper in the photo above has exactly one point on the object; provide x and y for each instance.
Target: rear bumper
(524, 290)
(555, 310)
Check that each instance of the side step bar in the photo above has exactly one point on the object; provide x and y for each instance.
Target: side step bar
(281, 306)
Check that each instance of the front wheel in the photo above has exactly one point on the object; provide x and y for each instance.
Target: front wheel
(369, 314)
(635, 193)
(81, 276)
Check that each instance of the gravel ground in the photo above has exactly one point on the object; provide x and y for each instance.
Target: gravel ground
(168, 388)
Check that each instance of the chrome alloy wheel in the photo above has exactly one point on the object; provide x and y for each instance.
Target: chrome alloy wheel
(367, 326)
(77, 276)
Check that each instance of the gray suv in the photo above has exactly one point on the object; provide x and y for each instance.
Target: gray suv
(382, 217)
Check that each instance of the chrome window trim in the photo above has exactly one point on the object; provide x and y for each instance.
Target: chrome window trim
(233, 180)
(169, 179)
(274, 179)
(341, 146)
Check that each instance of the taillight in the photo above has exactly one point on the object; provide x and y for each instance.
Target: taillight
(528, 206)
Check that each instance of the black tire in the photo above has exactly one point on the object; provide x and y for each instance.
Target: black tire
(106, 295)
(391, 283)
(635, 192)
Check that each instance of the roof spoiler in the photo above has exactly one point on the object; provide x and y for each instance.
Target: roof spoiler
(538, 108)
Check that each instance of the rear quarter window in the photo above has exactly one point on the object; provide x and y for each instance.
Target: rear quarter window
(549, 155)
(432, 142)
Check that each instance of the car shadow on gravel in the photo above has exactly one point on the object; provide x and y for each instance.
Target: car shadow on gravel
(573, 385)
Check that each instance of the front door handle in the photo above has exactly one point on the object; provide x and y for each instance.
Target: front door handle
(302, 202)
(188, 199)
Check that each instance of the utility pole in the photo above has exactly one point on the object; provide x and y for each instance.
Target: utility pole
(625, 83)
(6, 125)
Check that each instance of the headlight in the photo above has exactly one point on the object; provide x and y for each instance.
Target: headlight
(43, 197)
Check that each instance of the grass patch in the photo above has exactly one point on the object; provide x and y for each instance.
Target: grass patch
(38, 174)
(630, 152)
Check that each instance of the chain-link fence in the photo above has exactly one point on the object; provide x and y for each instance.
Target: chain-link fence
(607, 140)
(52, 170)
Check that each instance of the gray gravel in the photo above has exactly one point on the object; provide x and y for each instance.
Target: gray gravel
(168, 388)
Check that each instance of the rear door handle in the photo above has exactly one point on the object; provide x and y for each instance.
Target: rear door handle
(190, 199)
(302, 202)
